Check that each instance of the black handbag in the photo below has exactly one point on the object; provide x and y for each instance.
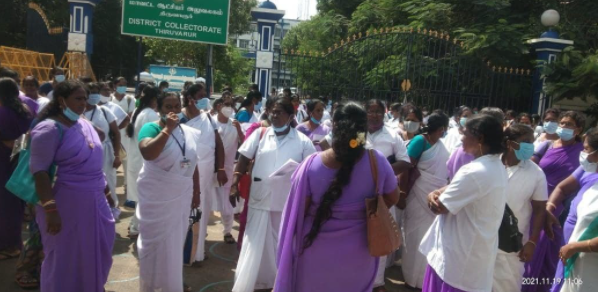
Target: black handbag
(191, 239)
(509, 237)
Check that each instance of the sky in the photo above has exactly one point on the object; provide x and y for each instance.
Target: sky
(291, 7)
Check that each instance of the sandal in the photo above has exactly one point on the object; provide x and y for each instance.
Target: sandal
(26, 281)
(6, 254)
(229, 239)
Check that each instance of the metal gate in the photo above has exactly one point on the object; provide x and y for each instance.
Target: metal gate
(425, 67)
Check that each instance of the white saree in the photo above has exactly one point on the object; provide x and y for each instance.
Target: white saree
(165, 193)
(417, 217)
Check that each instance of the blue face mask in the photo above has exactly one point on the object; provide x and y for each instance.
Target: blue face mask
(257, 107)
(94, 99)
(462, 122)
(550, 127)
(202, 104)
(121, 89)
(525, 152)
(59, 78)
(565, 134)
(315, 121)
(281, 129)
(69, 114)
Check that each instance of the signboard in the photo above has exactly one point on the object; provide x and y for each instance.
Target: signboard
(204, 21)
(175, 76)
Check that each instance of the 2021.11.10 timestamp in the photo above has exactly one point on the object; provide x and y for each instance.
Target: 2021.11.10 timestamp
(550, 281)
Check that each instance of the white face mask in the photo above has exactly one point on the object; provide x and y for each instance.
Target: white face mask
(411, 127)
(587, 165)
(227, 111)
(104, 99)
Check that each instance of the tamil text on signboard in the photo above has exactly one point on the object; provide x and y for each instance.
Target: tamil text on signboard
(187, 20)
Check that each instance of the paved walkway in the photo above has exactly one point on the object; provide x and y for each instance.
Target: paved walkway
(216, 274)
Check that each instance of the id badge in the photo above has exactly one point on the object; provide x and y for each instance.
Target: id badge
(185, 163)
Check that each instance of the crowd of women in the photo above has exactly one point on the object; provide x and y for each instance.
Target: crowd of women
(454, 185)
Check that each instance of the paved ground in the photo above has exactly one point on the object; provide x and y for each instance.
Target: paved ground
(216, 274)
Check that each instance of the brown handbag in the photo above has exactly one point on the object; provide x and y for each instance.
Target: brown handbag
(383, 233)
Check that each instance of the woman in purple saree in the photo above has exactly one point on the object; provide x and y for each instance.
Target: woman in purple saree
(15, 118)
(558, 160)
(323, 241)
(75, 221)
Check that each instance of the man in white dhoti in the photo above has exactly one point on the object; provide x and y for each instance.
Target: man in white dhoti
(195, 114)
(231, 134)
(526, 196)
(168, 189)
(144, 114)
(256, 268)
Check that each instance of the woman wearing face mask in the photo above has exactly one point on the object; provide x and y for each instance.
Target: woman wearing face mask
(558, 160)
(144, 114)
(104, 119)
(411, 122)
(525, 119)
(168, 188)
(575, 185)
(211, 154)
(429, 156)
(551, 124)
(231, 134)
(452, 141)
(578, 265)
(256, 268)
(390, 144)
(526, 197)
(77, 227)
(312, 125)
(462, 243)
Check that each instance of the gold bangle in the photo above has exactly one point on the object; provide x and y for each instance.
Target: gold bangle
(589, 246)
(532, 242)
(49, 202)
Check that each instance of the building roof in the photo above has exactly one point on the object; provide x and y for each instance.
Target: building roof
(267, 5)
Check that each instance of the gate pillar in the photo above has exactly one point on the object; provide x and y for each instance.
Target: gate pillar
(80, 34)
(267, 16)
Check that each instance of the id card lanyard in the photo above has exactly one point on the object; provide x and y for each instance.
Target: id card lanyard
(185, 162)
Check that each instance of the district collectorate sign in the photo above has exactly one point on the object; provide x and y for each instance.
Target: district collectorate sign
(204, 21)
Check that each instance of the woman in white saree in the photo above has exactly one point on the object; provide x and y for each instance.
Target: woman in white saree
(429, 155)
(167, 189)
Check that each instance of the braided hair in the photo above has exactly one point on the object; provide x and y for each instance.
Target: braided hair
(149, 94)
(9, 95)
(350, 119)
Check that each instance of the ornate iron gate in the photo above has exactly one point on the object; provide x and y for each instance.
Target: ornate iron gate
(425, 67)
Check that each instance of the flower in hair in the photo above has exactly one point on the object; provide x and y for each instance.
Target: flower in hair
(360, 140)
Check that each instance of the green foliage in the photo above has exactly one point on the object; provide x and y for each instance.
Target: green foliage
(572, 75)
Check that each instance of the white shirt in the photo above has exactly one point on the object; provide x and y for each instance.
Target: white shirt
(452, 141)
(42, 102)
(461, 246)
(389, 143)
(272, 153)
(127, 104)
(50, 95)
(118, 112)
(452, 123)
(326, 116)
(527, 182)
(97, 118)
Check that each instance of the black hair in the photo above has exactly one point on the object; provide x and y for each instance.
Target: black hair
(523, 115)
(463, 109)
(535, 119)
(579, 118)
(378, 102)
(554, 111)
(149, 93)
(490, 129)
(592, 138)
(119, 79)
(226, 92)
(92, 85)
(494, 112)
(254, 87)
(395, 107)
(8, 73)
(254, 95)
(85, 79)
(33, 79)
(164, 83)
(436, 121)
(286, 104)
(162, 97)
(246, 102)
(140, 89)
(516, 131)
(270, 101)
(409, 108)
(311, 106)
(55, 70)
(217, 102)
(64, 90)
(9, 95)
(511, 114)
(191, 92)
(349, 120)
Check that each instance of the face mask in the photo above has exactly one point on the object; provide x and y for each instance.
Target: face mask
(181, 116)
(202, 104)
(69, 114)
(585, 164)
(104, 99)
(565, 134)
(281, 129)
(257, 107)
(121, 89)
(462, 122)
(550, 127)
(227, 111)
(59, 78)
(525, 152)
(315, 121)
(238, 105)
(411, 127)
(94, 99)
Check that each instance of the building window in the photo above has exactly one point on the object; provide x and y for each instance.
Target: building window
(243, 44)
